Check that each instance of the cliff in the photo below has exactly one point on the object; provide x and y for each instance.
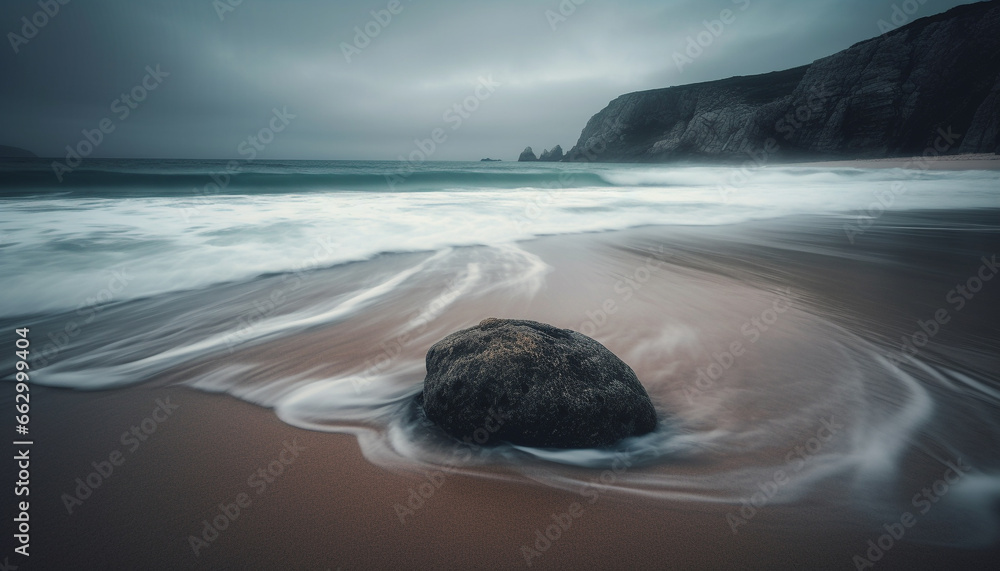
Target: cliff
(933, 81)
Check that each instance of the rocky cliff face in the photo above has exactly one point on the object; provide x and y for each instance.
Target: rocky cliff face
(932, 86)
(527, 155)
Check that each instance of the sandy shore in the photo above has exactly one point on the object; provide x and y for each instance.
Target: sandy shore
(331, 509)
(328, 507)
(972, 161)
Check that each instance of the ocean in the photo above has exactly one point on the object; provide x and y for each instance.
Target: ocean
(179, 225)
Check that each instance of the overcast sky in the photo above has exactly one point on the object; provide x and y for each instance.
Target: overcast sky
(231, 62)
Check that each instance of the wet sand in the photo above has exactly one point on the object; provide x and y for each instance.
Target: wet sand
(337, 501)
(332, 509)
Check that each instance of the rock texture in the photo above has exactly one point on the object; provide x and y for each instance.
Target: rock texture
(527, 155)
(935, 81)
(555, 155)
(552, 387)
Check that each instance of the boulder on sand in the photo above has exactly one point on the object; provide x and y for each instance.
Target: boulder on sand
(550, 387)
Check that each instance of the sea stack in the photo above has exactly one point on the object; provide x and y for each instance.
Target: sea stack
(553, 156)
(533, 384)
(527, 155)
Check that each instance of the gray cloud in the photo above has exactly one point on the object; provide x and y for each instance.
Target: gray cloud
(227, 75)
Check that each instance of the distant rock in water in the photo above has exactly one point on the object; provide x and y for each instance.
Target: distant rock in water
(527, 155)
(489, 160)
(555, 155)
(932, 85)
(532, 384)
(16, 153)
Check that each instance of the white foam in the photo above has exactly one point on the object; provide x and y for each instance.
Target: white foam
(61, 252)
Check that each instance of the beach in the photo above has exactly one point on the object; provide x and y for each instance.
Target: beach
(356, 485)
(824, 371)
(520, 285)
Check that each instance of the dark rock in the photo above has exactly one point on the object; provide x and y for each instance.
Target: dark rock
(555, 155)
(527, 155)
(489, 160)
(16, 152)
(893, 95)
(553, 388)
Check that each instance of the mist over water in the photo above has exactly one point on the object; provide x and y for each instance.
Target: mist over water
(316, 289)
